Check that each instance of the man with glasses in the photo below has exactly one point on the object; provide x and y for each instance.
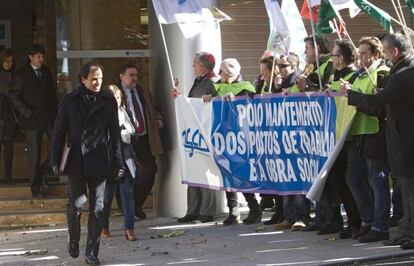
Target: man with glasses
(336, 191)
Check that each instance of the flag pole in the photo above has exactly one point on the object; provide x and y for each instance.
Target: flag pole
(402, 13)
(166, 53)
(337, 29)
(273, 70)
(405, 24)
(315, 45)
(402, 20)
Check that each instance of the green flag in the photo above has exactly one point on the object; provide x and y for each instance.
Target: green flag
(382, 17)
(325, 14)
(410, 4)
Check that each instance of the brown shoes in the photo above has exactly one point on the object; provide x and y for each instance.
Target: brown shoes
(105, 233)
(285, 224)
(130, 235)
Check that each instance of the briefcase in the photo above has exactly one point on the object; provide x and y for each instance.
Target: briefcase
(65, 155)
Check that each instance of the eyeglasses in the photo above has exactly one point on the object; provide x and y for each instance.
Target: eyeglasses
(283, 65)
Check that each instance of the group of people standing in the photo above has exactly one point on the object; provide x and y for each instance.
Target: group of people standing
(378, 148)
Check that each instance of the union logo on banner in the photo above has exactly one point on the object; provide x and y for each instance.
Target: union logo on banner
(194, 141)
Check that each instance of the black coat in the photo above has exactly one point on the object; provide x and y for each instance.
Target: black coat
(34, 99)
(94, 136)
(203, 86)
(398, 97)
(8, 120)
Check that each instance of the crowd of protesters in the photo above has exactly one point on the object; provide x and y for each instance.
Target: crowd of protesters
(375, 154)
(111, 138)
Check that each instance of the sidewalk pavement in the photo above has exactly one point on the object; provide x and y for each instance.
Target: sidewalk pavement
(161, 241)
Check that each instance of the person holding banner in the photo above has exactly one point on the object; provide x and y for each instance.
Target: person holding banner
(398, 98)
(320, 53)
(201, 202)
(367, 168)
(231, 84)
(336, 191)
(296, 208)
(288, 66)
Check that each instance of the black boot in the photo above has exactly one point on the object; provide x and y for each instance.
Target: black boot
(92, 260)
(74, 228)
(73, 248)
(233, 218)
(254, 217)
(276, 218)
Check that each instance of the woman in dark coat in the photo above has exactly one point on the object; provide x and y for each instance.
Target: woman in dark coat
(8, 121)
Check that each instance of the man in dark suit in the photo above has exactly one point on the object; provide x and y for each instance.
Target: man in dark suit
(88, 121)
(398, 98)
(33, 95)
(147, 122)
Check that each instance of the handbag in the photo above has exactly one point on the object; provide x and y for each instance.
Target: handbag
(65, 155)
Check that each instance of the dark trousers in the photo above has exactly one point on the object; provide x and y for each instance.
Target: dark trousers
(336, 192)
(406, 225)
(232, 202)
(77, 190)
(148, 169)
(34, 149)
(7, 158)
(397, 205)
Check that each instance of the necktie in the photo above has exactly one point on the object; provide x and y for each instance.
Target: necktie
(139, 120)
(38, 73)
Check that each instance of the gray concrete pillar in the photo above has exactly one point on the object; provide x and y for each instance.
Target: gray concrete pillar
(171, 196)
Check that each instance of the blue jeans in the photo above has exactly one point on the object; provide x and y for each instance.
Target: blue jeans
(126, 188)
(296, 208)
(368, 181)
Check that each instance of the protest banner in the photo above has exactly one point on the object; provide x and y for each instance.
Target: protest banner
(269, 144)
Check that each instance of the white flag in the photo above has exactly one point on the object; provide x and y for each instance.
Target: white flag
(296, 28)
(344, 4)
(279, 39)
(182, 11)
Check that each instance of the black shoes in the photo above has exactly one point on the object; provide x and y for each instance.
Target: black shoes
(408, 244)
(346, 233)
(311, 227)
(232, 219)
(73, 248)
(254, 217)
(139, 213)
(276, 218)
(396, 241)
(329, 229)
(187, 218)
(374, 236)
(205, 218)
(92, 260)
